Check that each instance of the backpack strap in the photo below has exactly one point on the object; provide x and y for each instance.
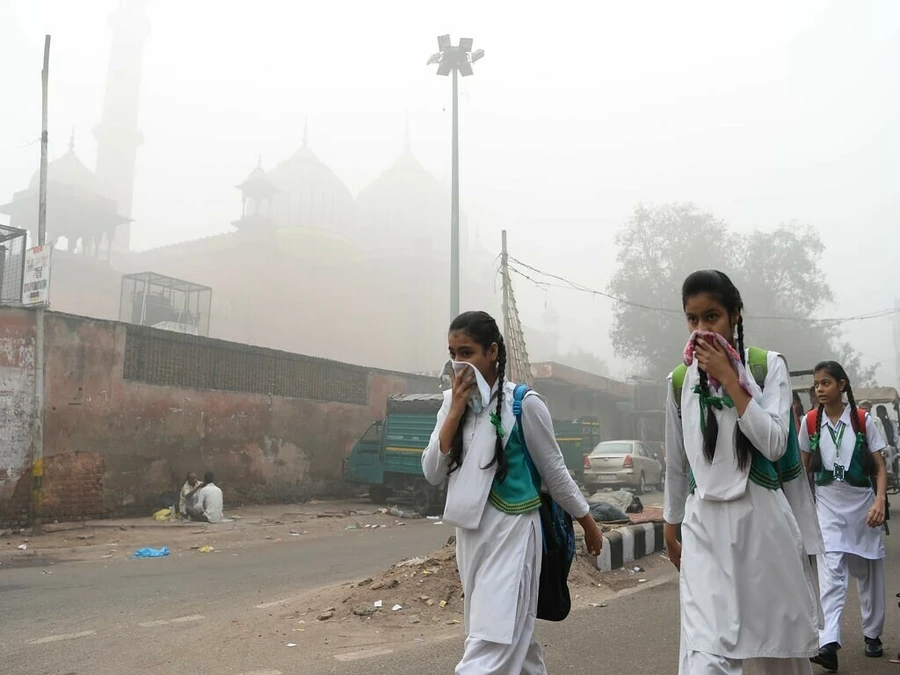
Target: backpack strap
(678, 376)
(811, 423)
(758, 363)
(861, 416)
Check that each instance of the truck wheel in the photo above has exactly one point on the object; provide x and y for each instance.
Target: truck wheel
(379, 494)
(423, 501)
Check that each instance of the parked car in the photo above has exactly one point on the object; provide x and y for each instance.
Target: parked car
(630, 464)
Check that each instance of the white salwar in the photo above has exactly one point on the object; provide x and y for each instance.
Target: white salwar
(746, 584)
(852, 548)
(499, 555)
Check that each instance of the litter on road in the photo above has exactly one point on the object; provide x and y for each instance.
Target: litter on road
(152, 552)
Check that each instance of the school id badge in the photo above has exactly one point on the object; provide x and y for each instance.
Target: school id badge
(839, 473)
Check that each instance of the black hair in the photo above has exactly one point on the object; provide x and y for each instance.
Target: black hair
(797, 398)
(723, 289)
(483, 329)
(882, 413)
(209, 477)
(836, 370)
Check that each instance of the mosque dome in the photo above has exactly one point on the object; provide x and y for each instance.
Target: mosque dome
(309, 195)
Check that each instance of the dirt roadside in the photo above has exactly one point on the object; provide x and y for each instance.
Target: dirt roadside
(419, 601)
(120, 538)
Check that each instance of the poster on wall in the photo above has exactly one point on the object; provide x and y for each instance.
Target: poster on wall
(36, 286)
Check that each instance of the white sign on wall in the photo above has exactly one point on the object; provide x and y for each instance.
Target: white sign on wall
(36, 289)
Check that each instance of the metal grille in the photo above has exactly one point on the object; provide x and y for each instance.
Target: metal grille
(173, 360)
(150, 299)
(12, 264)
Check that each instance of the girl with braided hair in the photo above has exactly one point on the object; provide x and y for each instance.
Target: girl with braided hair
(851, 484)
(493, 498)
(736, 491)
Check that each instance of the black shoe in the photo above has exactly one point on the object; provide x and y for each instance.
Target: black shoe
(827, 657)
(874, 649)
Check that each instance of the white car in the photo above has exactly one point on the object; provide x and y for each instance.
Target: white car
(630, 464)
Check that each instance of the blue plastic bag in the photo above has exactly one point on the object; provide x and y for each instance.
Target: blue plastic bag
(152, 552)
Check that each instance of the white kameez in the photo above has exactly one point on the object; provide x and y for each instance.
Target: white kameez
(852, 548)
(498, 554)
(746, 583)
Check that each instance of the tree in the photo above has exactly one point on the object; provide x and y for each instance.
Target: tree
(778, 274)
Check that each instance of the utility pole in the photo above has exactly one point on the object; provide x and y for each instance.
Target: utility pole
(454, 206)
(37, 460)
(517, 354)
(455, 60)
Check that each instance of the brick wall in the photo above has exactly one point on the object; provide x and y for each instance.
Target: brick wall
(16, 411)
(131, 410)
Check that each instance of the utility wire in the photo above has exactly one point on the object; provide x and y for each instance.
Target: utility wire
(571, 285)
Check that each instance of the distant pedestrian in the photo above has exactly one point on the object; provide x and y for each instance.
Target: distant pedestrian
(209, 504)
(746, 584)
(188, 496)
(493, 498)
(851, 487)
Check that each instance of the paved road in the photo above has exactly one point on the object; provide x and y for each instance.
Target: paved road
(215, 614)
(114, 599)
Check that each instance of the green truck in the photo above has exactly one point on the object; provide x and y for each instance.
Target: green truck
(388, 457)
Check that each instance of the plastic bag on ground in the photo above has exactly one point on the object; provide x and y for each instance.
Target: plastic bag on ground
(162, 514)
(152, 552)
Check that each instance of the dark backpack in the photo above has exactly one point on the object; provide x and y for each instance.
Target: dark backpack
(554, 600)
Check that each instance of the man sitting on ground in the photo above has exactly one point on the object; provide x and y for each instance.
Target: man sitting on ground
(189, 492)
(208, 507)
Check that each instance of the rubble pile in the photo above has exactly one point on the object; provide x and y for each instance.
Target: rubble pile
(424, 590)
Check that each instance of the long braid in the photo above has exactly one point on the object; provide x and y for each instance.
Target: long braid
(712, 424)
(742, 444)
(456, 449)
(499, 451)
(870, 468)
(815, 459)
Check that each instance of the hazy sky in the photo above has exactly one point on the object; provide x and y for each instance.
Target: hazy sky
(761, 112)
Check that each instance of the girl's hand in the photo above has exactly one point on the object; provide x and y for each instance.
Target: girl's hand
(673, 546)
(593, 535)
(714, 360)
(462, 389)
(875, 517)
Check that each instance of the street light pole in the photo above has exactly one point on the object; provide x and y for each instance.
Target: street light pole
(455, 60)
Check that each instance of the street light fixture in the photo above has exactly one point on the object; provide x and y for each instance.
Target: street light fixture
(453, 60)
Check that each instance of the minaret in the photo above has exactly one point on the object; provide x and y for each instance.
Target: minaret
(117, 134)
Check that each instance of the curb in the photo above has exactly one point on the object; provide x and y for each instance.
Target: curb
(629, 543)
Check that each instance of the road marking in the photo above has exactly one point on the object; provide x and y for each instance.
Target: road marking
(58, 638)
(275, 603)
(163, 622)
(366, 654)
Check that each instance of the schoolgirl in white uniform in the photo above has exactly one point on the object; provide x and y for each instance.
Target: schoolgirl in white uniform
(493, 499)
(845, 459)
(746, 584)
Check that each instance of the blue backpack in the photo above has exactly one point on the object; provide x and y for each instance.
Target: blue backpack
(554, 600)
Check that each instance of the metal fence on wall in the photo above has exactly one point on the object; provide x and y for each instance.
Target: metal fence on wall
(172, 360)
(12, 264)
(150, 299)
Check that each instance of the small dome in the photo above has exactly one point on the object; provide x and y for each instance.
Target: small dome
(71, 171)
